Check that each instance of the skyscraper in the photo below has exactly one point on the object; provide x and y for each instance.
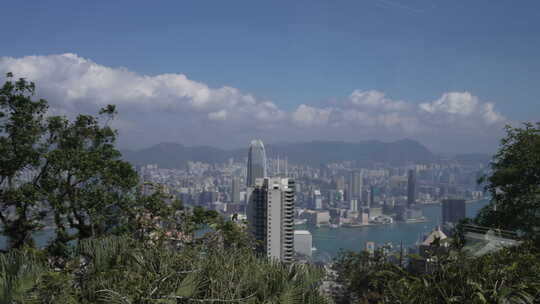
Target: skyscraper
(371, 200)
(453, 210)
(411, 187)
(271, 216)
(235, 190)
(256, 166)
(355, 185)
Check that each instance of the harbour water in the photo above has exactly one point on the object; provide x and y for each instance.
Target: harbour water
(329, 241)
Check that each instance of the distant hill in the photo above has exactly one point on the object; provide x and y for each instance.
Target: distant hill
(474, 158)
(173, 155)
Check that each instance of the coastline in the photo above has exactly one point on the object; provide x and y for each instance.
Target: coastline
(438, 203)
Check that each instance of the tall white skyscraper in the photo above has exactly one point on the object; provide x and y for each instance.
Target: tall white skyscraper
(256, 166)
(271, 216)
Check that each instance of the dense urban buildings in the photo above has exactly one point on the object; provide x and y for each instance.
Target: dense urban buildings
(331, 195)
(271, 216)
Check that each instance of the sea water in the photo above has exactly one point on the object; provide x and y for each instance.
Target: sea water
(329, 241)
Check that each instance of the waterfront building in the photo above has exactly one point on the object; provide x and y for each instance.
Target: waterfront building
(375, 212)
(256, 166)
(303, 242)
(411, 187)
(318, 218)
(363, 217)
(410, 214)
(353, 205)
(271, 216)
(453, 211)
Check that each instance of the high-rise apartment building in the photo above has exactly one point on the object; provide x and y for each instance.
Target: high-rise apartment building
(411, 187)
(371, 201)
(453, 210)
(256, 166)
(271, 216)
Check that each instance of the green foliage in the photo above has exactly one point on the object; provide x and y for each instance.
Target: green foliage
(69, 171)
(22, 124)
(19, 273)
(509, 276)
(130, 247)
(514, 183)
(125, 270)
(85, 182)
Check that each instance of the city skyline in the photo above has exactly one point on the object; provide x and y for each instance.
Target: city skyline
(338, 195)
(309, 151)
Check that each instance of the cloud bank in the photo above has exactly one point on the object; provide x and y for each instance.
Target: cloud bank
(171, 107)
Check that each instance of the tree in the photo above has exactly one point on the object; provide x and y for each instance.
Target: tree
(22, 126)
(86, 183)
(510, 275)
(514, 183)
(66, 172)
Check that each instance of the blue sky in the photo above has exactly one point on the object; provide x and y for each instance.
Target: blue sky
(303, 52)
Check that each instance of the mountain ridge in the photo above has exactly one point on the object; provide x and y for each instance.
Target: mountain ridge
(176, 155)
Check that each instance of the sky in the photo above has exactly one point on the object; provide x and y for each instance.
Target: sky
(449, 74)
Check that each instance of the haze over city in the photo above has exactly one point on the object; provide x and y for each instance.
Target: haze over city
(225, 73)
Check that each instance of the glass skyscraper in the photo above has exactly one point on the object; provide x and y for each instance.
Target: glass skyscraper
(256, 166)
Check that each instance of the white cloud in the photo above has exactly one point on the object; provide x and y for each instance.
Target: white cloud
(306, 116)
(171, 107)
(375, 101)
